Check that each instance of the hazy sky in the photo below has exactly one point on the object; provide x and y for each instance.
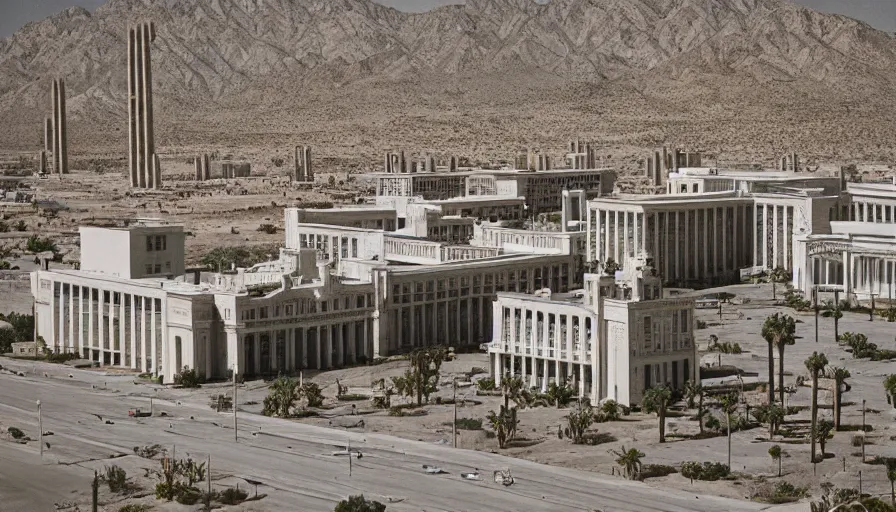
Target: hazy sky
(15, 13)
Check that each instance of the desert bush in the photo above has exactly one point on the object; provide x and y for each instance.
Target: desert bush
(359, 504)
(559, 394)
(148, 451)
(708, 471)
(35, 244)
(656, 471)
(15, 432)
(232, 496)
(269, 229)
(188, 378)
(469, 424)
(487, 384)
(477, 370)
(115, 477)
(135, 507)
(609, 411)
(61, 357)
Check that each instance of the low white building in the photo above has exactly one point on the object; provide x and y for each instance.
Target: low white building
(613, 339)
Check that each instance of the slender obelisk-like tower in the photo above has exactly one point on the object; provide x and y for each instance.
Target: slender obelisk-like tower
(143, 160)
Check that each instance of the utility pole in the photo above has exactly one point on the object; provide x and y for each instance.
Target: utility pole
(454, 423)
(40, 431)
(349, 450)
(863, 438)
(95, 493)
(235, 436)
(208, 477)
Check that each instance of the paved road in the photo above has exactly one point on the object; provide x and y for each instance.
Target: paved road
(294, 461)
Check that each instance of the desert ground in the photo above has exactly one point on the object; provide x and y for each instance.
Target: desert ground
(551, 473)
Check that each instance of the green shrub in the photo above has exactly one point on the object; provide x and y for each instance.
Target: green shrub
(188, 378)
(135, 507)
(487, 384)
(359, 504)
(15, 433)
(115, 477)
(36, 244)
(269, 229)
(352, 398)
(655, 471)
(232, 496)
(186, 495)
(468, 424)
(707, 471)
(61, 357)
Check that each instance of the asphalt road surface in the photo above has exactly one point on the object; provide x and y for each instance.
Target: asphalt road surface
(293, 462)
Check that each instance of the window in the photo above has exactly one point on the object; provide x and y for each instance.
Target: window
(684, 320)
(167, 266)
(149, 268)
(360, 301)
(323, 306)
(149, 244)
(158, 269)
(159, 242)
(695, 188)
(648, 331)
(262, 313)
(276, 311)
(288, 310)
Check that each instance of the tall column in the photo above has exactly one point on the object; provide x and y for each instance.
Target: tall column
(90, 343)
(616, 237)
(152, 338)
(785, 239)
(71, 320)
(81, 321)
(715, 246)
(133, 308)
(54, 139)
(625, 243)
(143, 166)
(60, 339)
(100, 314)
(765, 236)
(606, 249)
(775, 236)
(61, 129)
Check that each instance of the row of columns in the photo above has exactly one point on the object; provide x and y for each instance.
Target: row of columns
(319, 347)
(56, 133)
(773, 240)
(686, 245)
(516, 338)
(862, 211)
(134, 343)
(145, 171)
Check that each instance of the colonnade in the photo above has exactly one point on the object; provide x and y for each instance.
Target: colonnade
(773, 240)
(542, 341)
(320, 347)
(112, 328)
(687, 245)
(865, 211)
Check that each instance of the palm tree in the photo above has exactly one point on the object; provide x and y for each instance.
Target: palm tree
(839, 374)
(778, 330)
(815, 364)
(629, 461)
(656, 399)
(729, 404)
(776, 454)
(891, 476)
(833, 309)
(693, 392)
(778, 275)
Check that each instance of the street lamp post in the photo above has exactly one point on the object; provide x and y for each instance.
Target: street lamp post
(454, 423)
(233, 406)
(40, 430)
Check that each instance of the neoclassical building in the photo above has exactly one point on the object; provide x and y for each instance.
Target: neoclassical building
(614, 338)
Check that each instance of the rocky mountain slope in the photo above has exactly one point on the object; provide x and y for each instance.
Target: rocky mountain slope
(764, 75)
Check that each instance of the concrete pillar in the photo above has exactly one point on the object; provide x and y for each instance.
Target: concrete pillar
(197, 164)
(54, 139)
(154, 363)
(89, 341)
(156, 172)
(133, 309)
(48, 135)
(140, 119)
(61, 129)
(101, 327)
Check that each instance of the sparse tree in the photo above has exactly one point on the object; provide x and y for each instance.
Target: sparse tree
(779, 330)
(657, 399)
(693, 392)
(629, 460)
(772, 414)
(422, 378)
(776, 455)
(282, 397)
(609, 410)
(504, 423)
(778, 275)
(821, 432)
(839, 375)
(890, 389)
(890, 463)
(580, 420)
(833, 309)
(815, 364)
(729, 405)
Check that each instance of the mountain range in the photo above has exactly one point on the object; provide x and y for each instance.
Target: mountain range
(742, 79)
